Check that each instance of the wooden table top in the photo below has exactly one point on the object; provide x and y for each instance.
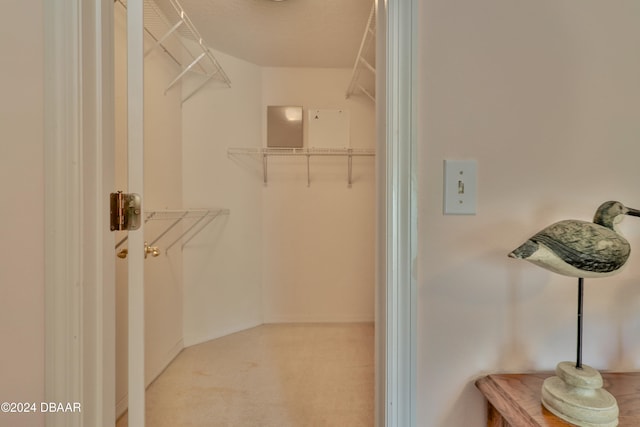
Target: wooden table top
(517, 398)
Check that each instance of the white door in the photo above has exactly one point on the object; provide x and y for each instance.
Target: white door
(135, 165)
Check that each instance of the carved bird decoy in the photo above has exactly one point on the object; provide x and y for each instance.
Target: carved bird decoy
(580, 248)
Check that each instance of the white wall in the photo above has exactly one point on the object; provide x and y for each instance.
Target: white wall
(22, 214)
(286, 252)
(223, 264)
(319, 241)
(545, 96)
(162, 190)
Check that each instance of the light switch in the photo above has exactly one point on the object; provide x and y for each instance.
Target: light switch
(460, 187)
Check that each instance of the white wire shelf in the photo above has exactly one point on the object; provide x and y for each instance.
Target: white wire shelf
(303, 152)
(166, 22)
(195, 221)
(365, 60)
(311, 151)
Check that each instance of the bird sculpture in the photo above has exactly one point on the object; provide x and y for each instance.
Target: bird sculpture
(580, 248)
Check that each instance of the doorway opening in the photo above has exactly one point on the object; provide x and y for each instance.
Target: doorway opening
(296, 247)
(395, 348)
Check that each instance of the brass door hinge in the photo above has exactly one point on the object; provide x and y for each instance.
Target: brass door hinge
(126, 210)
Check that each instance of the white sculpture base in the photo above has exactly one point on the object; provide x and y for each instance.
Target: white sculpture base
(576, 396)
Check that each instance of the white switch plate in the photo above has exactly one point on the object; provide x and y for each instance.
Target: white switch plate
(460, 187)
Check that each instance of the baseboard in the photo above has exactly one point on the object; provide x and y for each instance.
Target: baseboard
(123, 403)
(170, 355)
(219, 334)
(121, 406)
(318, 319)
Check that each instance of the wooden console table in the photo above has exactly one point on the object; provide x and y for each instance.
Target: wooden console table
(514, 399)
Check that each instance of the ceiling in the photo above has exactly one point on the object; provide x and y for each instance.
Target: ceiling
(290, 33)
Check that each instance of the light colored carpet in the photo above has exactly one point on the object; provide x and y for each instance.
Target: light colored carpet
(276, 375)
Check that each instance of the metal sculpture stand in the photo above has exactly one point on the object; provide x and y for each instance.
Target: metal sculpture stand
(575, 394)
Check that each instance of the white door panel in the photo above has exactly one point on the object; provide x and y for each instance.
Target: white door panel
(135, 165)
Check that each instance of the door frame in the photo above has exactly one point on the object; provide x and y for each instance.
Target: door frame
(78, 170)
(396, 302)
(79, 265)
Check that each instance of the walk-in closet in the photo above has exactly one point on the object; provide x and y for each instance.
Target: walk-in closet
(259, 246)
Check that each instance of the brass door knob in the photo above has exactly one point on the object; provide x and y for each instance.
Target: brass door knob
(153, 250)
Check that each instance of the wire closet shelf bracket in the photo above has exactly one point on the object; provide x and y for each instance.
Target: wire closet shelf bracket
(365, 82)
(195, 221)
(171, 30)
